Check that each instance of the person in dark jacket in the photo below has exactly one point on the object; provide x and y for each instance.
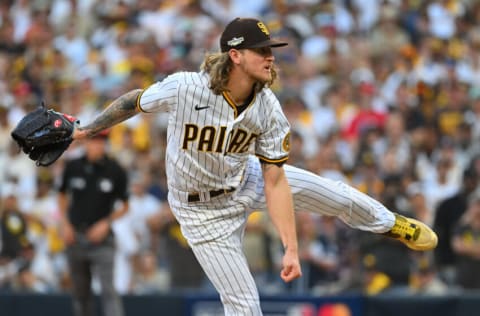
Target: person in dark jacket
(89, 191)
(447, 216)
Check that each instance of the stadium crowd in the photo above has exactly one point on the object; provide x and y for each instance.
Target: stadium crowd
(382, 94)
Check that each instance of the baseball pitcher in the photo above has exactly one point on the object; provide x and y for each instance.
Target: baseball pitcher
(228, 141)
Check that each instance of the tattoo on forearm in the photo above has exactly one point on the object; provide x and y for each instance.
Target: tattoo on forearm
(119, 110)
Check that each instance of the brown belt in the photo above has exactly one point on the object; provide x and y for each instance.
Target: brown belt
(195, 197)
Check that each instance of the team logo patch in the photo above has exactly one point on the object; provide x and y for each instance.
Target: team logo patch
(235, 41)
(263, 28)
(57, 123)
(286, 142)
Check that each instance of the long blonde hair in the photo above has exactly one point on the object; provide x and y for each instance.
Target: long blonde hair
(219, 65)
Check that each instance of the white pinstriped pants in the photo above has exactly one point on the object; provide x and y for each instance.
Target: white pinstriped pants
(215, 228)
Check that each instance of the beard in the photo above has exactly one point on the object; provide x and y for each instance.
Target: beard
(257, 74)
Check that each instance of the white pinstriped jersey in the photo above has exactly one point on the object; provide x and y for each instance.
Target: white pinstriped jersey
(210, 147)
(208, 142)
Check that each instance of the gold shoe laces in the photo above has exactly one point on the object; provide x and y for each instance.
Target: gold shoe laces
(405, 229)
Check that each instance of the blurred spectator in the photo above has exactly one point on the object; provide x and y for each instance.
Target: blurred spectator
(441, 17)
(366, 176)
(319, 254)
(184, 270)
(393, 143)
(326, 117)
(324, 39)
(73, 46)
(105, 81)
(367, 117)
(466, 148)
(93, 193)
(466, 245)
(378, 254)
(44, 227)
(425, 278)
(19, 171)
(301, 120)
(130, 143)
(126, 248)
(33, 274)
(14, 225)
(387, 37)
(20, 13)
(258, 244)
(149, 278)
(446, 218)
(330, 162)
(375, 281)
(5, 129)
(142, 207)
(224, 11)
(418, 205)
(14, 242)
(473, 115)
(442, 186)
(132, 232)
(9, 44)
(297, 153)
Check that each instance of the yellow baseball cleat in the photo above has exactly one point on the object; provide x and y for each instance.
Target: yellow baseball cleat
(414, 234)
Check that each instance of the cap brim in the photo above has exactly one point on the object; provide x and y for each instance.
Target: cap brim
(269, 43)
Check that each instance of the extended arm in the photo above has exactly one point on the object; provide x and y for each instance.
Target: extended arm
(121, 109)
(280, 207)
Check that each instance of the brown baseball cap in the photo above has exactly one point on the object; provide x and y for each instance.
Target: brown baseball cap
(247, 33)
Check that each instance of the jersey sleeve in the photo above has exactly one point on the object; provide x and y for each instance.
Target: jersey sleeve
(160, 96)
(273, 145)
